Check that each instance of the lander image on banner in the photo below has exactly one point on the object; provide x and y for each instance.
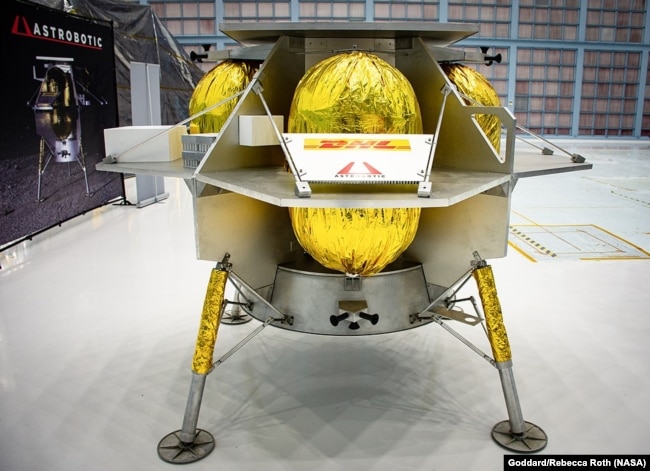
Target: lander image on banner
(57, 111)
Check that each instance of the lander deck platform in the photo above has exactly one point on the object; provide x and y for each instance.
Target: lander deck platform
(274, 185)
(173, 169)
(259, 33)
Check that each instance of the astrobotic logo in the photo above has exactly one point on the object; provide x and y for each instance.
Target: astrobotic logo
(351, 170)
(46, 32)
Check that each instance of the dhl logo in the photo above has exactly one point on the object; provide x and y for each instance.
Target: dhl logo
(352, 144)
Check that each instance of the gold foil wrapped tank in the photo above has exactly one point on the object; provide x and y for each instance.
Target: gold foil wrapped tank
(224, 80)
(356, 93)
(474, 85)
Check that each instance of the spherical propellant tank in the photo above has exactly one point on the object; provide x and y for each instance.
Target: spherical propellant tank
(478, 90)
(222, 81)
(357, 93)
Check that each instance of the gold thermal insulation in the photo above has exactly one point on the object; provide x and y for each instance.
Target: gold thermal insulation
(210, 318)
(223, 81)
(493, 317)
(478, 89)
(355, 241)
(356, 93)
(64, 114)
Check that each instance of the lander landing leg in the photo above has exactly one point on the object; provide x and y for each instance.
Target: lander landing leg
(191, 444)
(43, 163)
(514, 434)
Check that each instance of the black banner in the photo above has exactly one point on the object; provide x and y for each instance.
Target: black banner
(58, 95)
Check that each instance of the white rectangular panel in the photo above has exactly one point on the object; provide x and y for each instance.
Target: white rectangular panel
(360, 158)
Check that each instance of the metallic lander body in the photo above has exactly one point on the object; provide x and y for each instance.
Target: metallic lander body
(242, 193)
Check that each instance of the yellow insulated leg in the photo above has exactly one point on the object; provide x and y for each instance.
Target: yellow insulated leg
(493, 316)
(210, 319)
(515, 433)
(190, 444)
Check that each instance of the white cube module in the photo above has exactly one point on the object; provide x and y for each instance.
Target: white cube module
(144, 143)
(257, 130)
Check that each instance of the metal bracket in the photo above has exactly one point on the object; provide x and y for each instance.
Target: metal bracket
(478, 262)
(352, 283)
(302, 189)
(224, 264)
(285, 319)
(424, 189)
(457, 315)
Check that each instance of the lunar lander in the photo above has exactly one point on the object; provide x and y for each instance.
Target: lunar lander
(57, 111)
(354, 185)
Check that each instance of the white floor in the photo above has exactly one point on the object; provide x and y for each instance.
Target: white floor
(98, 320)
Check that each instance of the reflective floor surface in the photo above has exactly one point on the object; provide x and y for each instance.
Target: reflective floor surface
(98, 320)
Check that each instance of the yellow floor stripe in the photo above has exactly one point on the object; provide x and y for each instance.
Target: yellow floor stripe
(532, 242)
(522, 252)
(621, 248)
